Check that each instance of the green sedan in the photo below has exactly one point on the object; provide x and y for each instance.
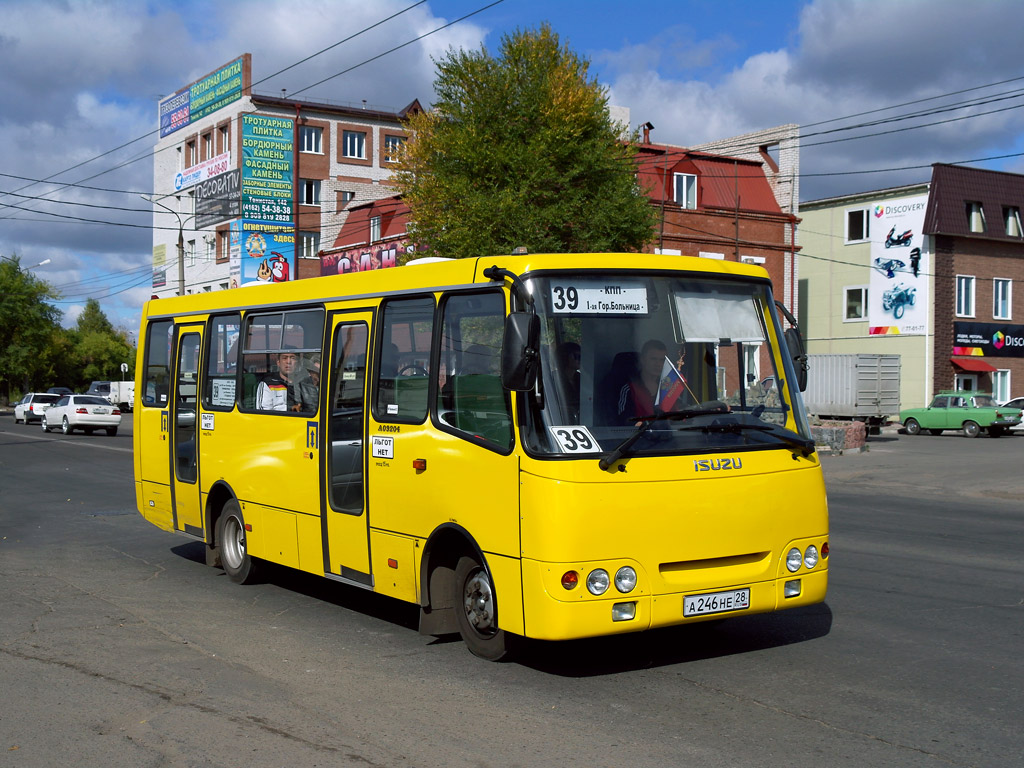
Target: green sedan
(969, 411)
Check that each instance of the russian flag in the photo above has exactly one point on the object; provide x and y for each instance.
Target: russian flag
(671, 386)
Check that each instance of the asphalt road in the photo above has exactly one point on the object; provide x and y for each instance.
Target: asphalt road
(118, 647)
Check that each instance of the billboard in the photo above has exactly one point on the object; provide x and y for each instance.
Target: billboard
(267, 252)
(202, 98)
(898, 288)
(988, 339)
(218, 199)
(364, 258)
(267, 146)
(202, 171)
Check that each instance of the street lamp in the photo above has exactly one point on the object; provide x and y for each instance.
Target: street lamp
(42, 263)
(181, 242)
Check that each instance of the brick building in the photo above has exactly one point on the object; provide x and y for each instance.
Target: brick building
(924, 271)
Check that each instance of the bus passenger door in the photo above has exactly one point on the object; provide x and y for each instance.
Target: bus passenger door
(345, 523)
(184, 425)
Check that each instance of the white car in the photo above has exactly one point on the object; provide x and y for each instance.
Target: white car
(1018, 403)
(85, 412)
(32, 406)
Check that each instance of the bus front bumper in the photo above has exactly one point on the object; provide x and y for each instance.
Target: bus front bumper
(578, 614)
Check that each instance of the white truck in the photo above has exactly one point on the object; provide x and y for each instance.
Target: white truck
(854, 387)
(119, 393)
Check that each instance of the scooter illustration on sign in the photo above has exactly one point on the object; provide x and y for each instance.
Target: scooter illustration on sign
(893, 239)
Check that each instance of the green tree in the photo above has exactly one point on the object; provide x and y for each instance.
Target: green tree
(100, 348)
(28, 321)
(520, 151)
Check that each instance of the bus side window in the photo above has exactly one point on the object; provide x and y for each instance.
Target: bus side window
(158, 363)
(472, 400)
(222, 362)
(403, 374)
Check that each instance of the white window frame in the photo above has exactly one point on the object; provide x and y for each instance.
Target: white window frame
(354, 144)
(965, 295)
(1011, 218)
(190, 253)
(391, 144)
(975, 213)
(310, 192)
(684, 185)
(225, 136)
(374, 229)
(311, 139)
(309, 244)
(1001, 385)
(863, 317)
(866, 213)
(1004, 286)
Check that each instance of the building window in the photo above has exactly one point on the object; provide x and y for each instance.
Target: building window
(1011, 215)
(190, 253)
(190, 154)
(207, 145)
(354, 144)
(224, 286)
(223, 246)
(1001, 289)
(392, 148)
(856, 304)
(344, 198)
(1001, 386)
(309, 245)
(310, 191)
(975, 217)
(225, 138)
(374, 229)
(858, 225)
(965, 296)
(310, 139)
(686, 190)
(211, 248)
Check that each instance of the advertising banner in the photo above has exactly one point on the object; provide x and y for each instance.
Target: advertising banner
(201, 98)
(159, 266)
(203, 171)
(218, 199)
(235, 253)
(364, 258)
(988, 339)
(267, 145)
(267, 252)
(898, 289)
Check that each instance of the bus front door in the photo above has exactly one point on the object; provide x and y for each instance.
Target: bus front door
(184, 426)
(345, 524)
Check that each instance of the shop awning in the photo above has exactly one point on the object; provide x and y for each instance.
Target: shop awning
(972, 364)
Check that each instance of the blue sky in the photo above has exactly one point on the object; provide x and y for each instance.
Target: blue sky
(82, 80)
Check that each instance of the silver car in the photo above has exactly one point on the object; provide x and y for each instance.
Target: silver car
(85, 412)
(32, 406)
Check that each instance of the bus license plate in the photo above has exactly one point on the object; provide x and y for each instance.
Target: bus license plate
(716, 602)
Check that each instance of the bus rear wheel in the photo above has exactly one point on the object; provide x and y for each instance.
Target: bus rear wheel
(240, 567)
(476, 611)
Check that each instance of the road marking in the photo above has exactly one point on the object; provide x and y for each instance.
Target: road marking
(64, 440)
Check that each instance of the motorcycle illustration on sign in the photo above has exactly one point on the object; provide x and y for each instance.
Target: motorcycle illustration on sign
(893, 239)
(898, 298)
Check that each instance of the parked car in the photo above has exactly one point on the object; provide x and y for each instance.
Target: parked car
(1017, 404)
(969, 411)
(32, 406)
(85, 412)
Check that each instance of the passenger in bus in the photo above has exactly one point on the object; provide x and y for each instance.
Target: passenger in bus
(657, 387)
(289, 388)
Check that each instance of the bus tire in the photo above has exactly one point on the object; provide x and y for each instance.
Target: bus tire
(476, 611)
(238, 564)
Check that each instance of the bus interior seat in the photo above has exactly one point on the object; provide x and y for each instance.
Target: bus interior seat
(625, 365)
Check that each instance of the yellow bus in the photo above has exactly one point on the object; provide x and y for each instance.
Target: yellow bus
(544, 446)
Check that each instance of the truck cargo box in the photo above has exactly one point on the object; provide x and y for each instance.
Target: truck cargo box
(864, 387)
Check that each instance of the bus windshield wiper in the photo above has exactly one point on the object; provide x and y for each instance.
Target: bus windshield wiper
(790, 438)
(646, 422)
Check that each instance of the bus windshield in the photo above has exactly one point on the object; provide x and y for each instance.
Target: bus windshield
(667, 364)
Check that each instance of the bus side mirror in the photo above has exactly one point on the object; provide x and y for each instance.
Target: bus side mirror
(520, 351)
(795, 342)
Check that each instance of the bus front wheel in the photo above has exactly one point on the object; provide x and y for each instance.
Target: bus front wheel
(476, 610)
(240, 567)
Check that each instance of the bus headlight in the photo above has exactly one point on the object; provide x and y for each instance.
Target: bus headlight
(811, 557)
(625, 579)
(598, 581)
(794, 558)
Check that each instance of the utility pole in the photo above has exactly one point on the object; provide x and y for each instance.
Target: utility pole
(181, 241)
